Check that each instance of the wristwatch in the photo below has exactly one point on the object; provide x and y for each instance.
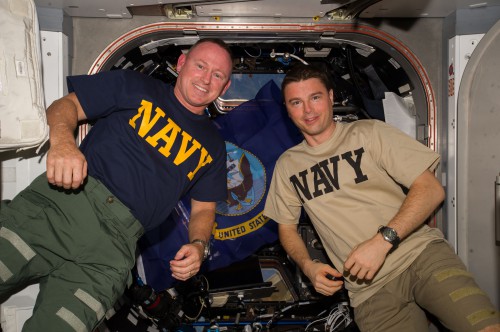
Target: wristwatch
(206, 247)
(390, 235)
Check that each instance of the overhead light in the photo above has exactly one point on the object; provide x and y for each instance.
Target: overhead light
(477, 5)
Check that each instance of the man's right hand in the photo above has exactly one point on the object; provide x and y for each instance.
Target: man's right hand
(66, 166)
(325, 279)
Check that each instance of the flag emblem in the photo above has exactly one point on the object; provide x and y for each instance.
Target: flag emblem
(246, 182)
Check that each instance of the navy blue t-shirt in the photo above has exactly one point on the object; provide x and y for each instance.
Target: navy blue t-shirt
(146, 147)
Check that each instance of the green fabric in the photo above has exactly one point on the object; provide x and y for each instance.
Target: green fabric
(84, 246)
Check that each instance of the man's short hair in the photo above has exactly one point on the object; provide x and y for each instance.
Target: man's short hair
(216, 41)
(302, 72)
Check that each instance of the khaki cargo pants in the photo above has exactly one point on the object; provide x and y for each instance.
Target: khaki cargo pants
(79, 245)
(437, 281)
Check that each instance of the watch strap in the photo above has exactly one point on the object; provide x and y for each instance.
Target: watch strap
(206, 249)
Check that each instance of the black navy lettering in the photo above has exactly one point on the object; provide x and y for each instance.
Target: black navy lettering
(356, 165)
(320, 179)
(324, 175)
(301, 187)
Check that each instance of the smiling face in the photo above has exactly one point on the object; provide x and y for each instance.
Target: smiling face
(310, 106)
(204, 75)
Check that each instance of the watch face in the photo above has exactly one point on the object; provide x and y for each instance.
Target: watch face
(389, 234)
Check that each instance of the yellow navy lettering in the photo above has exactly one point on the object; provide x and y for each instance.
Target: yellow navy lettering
(146, 123)
(168, 135)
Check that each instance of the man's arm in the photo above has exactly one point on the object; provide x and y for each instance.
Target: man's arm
(202, 220)
(66, 165)
(424, 196)
(188, 259)
(316, 272)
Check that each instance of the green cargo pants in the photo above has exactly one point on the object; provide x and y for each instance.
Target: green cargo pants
(79, 245)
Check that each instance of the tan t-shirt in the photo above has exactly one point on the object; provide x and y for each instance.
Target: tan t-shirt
(349, 187)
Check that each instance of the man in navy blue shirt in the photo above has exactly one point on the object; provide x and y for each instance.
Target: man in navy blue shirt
(149, 145)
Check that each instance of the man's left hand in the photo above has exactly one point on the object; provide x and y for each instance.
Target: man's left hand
(365, 259)
(187, 262)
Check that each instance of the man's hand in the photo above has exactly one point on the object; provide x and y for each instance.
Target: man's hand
(66, 166)
(325, 279)
(365, 259)
(187, 261)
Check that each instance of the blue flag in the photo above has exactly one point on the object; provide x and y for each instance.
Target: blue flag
(256, 133)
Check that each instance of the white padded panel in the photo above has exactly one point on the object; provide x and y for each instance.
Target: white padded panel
(22, 110)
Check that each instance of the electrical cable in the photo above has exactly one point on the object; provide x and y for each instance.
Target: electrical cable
(337, 317)
(280, 312)
(285, 55)
(202, 302)
(253, 56)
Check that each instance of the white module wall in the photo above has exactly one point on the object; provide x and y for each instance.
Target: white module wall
(460, 49)
(19, 169)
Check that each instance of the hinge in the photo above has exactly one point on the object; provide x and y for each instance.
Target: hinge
(178, 12)
(422, 133)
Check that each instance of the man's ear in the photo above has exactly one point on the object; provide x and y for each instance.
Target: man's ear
(228, 84)
(331, 95)
(181, 61)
